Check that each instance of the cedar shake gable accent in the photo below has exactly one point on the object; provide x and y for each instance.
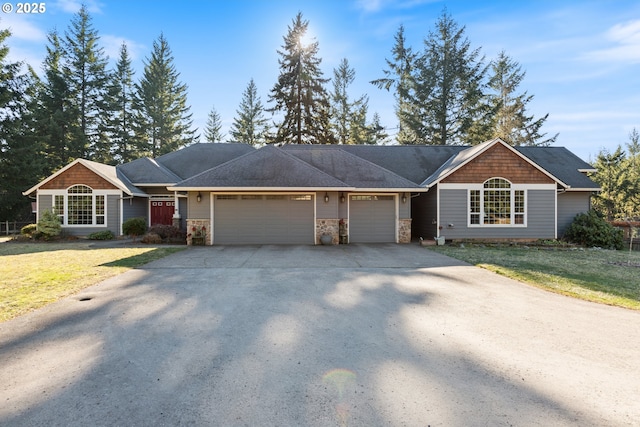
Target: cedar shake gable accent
(498, 161)
(78, 174)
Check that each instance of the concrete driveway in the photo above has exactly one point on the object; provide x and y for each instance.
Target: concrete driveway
(376, 335)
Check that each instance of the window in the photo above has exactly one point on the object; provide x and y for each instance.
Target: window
(301, 197)
(80, 205)
(497, 204)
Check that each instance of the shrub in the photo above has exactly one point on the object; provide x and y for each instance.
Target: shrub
(29, 229)
(49, 225)
(166, 231)
(590, 229)
(101, 235)
(151, 238)
(134, 227)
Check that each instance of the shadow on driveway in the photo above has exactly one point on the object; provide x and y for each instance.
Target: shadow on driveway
(367, 335)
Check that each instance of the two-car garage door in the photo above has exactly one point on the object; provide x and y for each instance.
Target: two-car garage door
(263, 219)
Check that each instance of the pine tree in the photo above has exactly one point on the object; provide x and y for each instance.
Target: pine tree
(510, 121)
(379, 134)
(299, 92)
(348, 117)
(399, 76)
(56, 116)
(162, 119)
(449, 84)
(250, 126)
(212, 131)
(119, 121)
(84, 68)
(612, 178)
(21, 159)
(632, 170)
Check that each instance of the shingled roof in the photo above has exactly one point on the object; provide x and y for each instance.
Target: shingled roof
(350, 169)
(197, 158)
(146, 171)
(269, 168)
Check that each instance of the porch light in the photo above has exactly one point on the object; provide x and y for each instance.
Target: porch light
(404, 197)
(326, 197)
(199, 197)
(341, 197)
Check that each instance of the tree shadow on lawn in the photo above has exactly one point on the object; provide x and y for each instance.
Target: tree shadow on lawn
(258, 347)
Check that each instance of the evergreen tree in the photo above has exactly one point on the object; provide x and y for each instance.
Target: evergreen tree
(612, 178)
(348, 117)
(84, 68)
(379, 134)
(119, 120)
(250, 126)
(162, 119)
(399, 76)
(212, 131)
(449, 88)
(299, 92)
(56, 115)
(510, 121)
(21, 159)
(632, 168)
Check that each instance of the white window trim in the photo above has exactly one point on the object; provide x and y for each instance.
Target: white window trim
(94, 193)
(513, 188)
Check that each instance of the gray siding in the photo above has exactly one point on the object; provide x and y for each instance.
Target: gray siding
(404, 209)
(571, 204)
(424, 211)
(540, 218)
(134, 208)
(327, 210)
(194, 209)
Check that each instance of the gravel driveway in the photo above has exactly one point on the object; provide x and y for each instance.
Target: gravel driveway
(358, 335)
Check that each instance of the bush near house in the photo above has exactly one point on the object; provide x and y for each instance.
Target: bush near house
(49, 225)
(134, 227)
(29, 229)
(590, 229)
(102, 235)
(168, 233)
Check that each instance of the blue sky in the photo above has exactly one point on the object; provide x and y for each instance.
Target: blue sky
(582, 58)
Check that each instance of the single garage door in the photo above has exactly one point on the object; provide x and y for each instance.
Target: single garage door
(372, 219)
(263, 219)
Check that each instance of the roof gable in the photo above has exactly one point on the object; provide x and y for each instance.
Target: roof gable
(267, 168)
(351, 169)
(87, 172)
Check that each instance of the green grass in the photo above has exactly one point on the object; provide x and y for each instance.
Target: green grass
(35, 274)
(608, 277)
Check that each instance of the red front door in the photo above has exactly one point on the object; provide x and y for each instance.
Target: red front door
(162, 212)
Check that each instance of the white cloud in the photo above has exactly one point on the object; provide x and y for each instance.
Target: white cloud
(112, 45)
(625, 40)
(21, 28)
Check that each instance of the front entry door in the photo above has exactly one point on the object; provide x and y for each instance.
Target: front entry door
(162, 212)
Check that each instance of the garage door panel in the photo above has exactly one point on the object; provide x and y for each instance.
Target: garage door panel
(372, 219)
(260, 219)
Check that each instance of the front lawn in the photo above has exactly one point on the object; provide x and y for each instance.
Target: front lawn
(604, 276)
(35, 274)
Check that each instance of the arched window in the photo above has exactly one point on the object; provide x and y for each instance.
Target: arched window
(496, 204)
(80, 206)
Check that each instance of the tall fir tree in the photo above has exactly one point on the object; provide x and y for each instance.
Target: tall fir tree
(213, 128)
(300, 92)
(511, 122)
(250, 125)
(612, 178)
(379, 134)
(399, 76)
(449, 83)
(162, 120)
(56, 116)
(348, 117)
(21, 151)
(85, 70)
(118, 122)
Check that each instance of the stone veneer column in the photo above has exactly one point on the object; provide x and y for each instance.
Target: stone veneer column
(199, 223)
(404, 230)
(327, 226)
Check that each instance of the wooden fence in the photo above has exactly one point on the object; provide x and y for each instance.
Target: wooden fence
(11, 227)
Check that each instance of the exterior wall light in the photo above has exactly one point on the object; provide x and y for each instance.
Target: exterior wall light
(326, 197)
(199, 197)
(404, 197)
(342, 198)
